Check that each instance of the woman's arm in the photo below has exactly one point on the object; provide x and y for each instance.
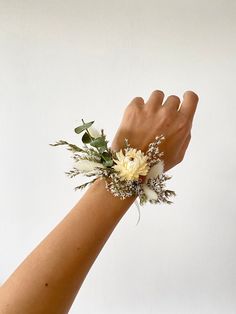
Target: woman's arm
(50, 277)
(48, 280)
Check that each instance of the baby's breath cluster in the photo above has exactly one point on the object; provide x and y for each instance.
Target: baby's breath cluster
(153, 151)
(127, 173)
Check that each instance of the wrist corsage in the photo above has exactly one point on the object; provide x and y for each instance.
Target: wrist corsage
(127, 172)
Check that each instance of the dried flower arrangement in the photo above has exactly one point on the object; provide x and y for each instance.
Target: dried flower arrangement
(127, 172)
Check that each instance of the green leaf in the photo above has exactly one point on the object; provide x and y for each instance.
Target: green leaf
(106, 155)
(86, 138)
(83, 127)
(108, 163)
(99, 142)
(102, 149)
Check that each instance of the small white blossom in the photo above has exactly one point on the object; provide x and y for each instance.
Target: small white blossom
(94, 132)
(151, 195)
(155, 170)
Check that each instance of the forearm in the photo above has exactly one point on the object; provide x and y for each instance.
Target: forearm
(51, 276)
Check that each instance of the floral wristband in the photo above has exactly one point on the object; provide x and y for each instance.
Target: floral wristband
(127, 172)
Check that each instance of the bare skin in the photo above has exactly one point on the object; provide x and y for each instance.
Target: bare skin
(50, 277)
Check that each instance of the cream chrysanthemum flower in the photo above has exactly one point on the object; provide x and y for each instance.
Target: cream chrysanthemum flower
(131, 165)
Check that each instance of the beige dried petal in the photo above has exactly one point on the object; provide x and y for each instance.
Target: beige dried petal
(155, 170)
(151, 195)
(94, 132)
(86, 166)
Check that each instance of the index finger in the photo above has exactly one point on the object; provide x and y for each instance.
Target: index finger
(189, 104)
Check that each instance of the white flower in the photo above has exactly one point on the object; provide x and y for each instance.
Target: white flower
(94, 132)
(155, 170)
(87, 166)
(131, 165)
(151, 195)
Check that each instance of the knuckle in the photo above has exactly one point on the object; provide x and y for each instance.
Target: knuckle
(173, 98)
(135, 104)
(190, 93)
(157, 91)
(137, 100)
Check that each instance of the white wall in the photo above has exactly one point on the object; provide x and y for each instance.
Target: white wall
(61, 61)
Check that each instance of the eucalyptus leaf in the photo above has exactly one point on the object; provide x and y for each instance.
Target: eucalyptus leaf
(99, 142)
(106, 156)
(102, 149)
(107, 159)
(108, 163)
(83, 127)
(86, 138)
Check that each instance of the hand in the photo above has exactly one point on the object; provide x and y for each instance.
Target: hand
(142, 122)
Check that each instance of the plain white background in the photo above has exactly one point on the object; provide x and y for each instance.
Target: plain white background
(61, 61)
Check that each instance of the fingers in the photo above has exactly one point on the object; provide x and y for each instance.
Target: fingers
(137, 100)
(155, 100)
(171, 104)
(189, 104)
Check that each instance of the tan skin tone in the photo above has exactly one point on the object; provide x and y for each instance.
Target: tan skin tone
(48, 280)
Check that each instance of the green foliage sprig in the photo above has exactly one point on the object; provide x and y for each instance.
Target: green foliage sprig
(95, 149)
